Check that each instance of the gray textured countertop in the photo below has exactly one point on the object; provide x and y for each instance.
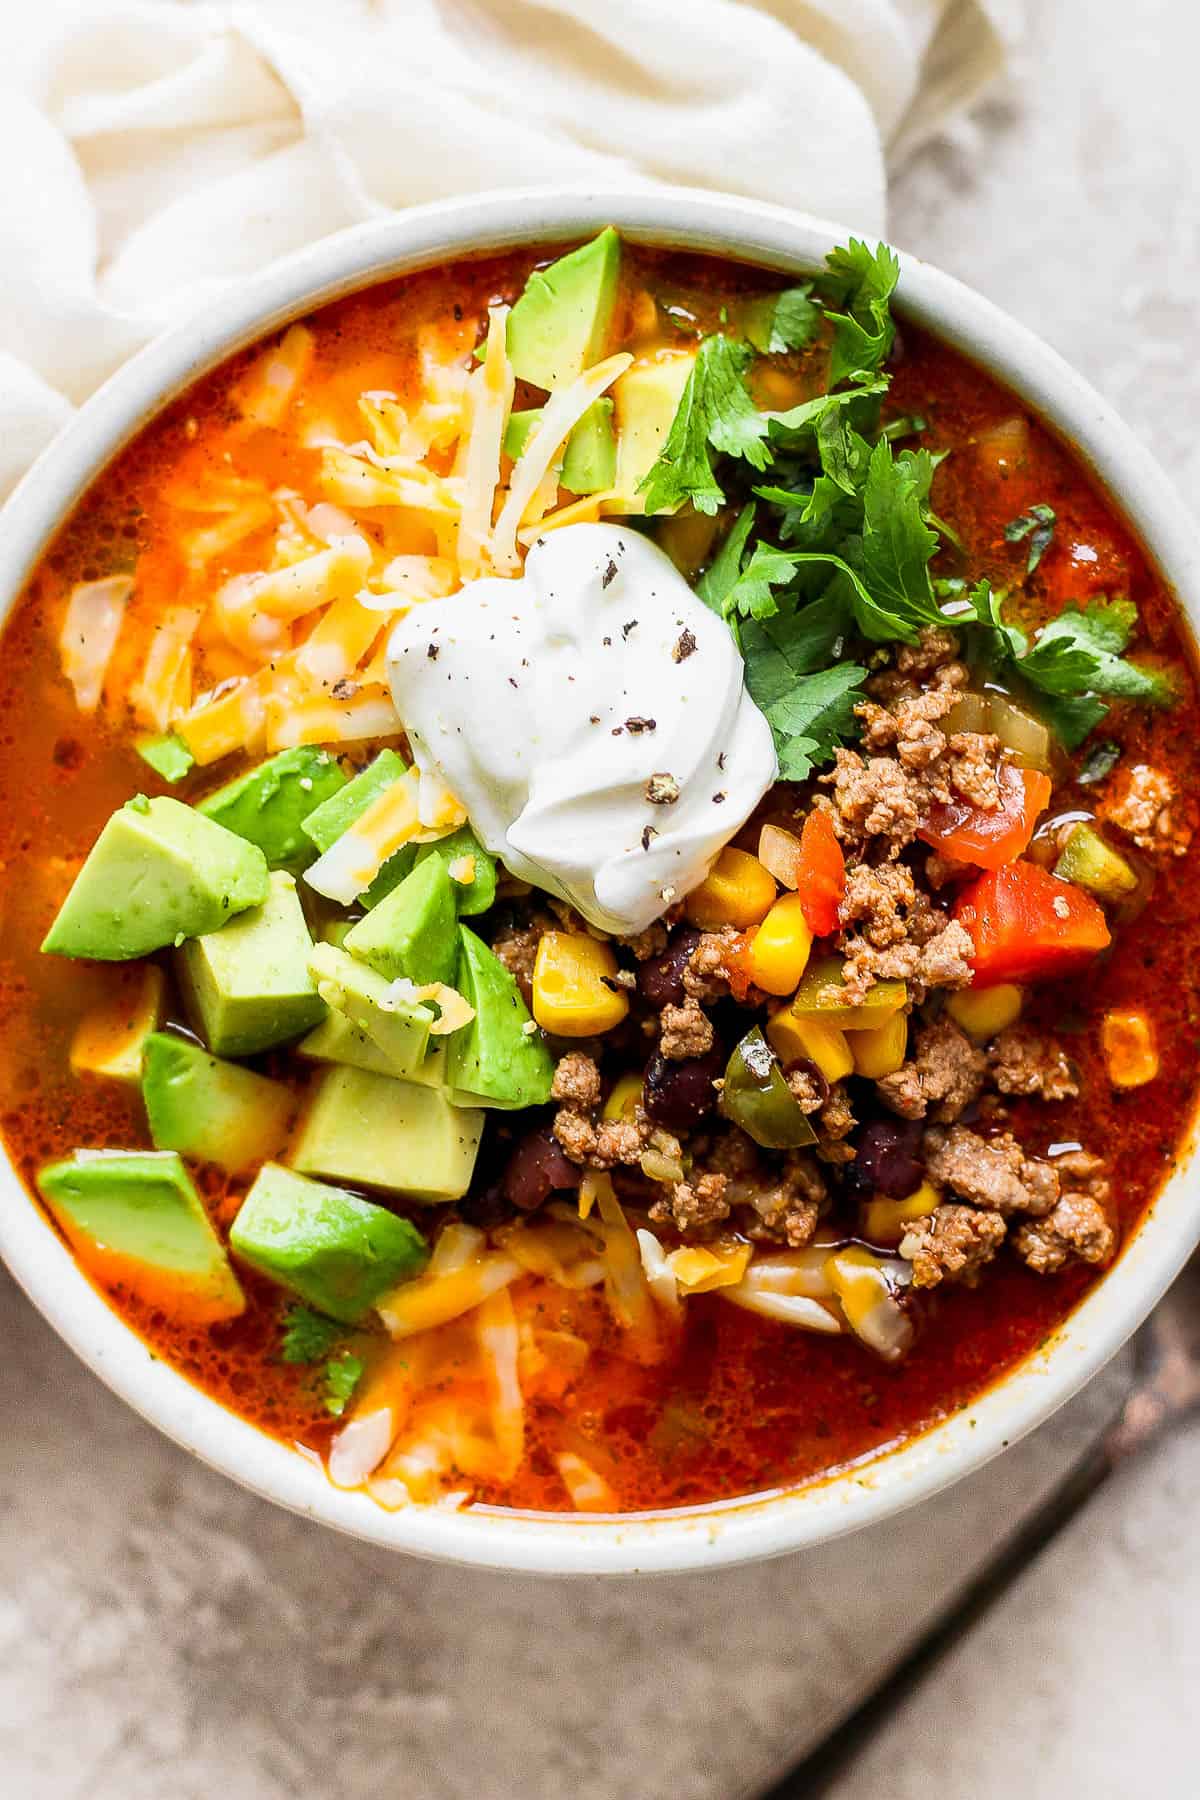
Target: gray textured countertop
(164, 1634)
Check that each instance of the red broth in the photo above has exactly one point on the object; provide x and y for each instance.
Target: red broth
(746, 1404)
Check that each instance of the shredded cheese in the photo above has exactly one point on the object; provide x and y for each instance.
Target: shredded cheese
(92, 624)
(491, 389)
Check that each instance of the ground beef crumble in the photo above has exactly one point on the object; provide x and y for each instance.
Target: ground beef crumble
(577, 1082)
(990, 1172)
(686, 1031)
(708, 974)
(1024, 1062)
(952, 1244)
(1078, 1224)
(1143, 807)
(943, 1078)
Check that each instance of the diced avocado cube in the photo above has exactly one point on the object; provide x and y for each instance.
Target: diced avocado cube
(559, 326)
(135, 1219)
(268, 805)
(338, 1252)
(168, 756)
(159, 872)
(470, 867)
(326, 823)
(647, 398)
(519, 430)
(336, 1040)
(1092, 863)
(110, 1039)
(500, 1057)
(398, 1027)
(590, 461)
(212, 1110)
(248, 985)
(590, 458)
(413, 933)
(383, 1133)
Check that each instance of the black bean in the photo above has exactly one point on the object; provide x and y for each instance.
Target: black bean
(660, 978)
(889, 1157)
(677, 1095)
(537, 1169)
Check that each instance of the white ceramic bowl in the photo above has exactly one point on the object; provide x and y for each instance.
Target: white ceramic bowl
(703, 1537)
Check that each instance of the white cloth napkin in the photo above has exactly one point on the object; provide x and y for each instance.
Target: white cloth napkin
(156, 150)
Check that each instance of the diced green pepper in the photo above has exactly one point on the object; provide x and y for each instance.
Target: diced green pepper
(756, 1096)
(817, 998)
(1093, 864)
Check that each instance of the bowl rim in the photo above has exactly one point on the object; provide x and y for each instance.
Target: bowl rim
(703, 1537)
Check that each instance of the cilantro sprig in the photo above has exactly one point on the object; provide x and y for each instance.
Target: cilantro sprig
(833, 548)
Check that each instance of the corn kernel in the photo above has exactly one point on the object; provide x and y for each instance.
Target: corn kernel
(880, 1051)
(983, 1012)
(884, 1221)
(1127, 1039)
(825, 1045)
(779, 949)
(736, 891)
(626, 1094)
(571, 995)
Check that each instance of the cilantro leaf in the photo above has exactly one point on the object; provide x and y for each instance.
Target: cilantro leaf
(1083, 649)
(897, 542)
(862, 281)
(786, 321)
(814, 717)
(308, 1336)
(1038, 526)
(750, 596)
(342, 1376)
(1074, 659)
(715, 412)
(790, 644)
(725, 567)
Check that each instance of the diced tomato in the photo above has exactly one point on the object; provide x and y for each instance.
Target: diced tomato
(1027, 925)
(990, 839)
(822, 874)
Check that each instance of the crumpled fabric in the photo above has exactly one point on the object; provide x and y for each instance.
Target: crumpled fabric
(156, 151)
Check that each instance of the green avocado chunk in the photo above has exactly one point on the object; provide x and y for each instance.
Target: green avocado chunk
(397, 1027)
(495, 1060)
(248, 985)
(559, 326)
(159, 872)
(338, 1252)
(336, 1040)
(477, 894)
(326, 823)
(168, 756)
(398, 1135)
(135, 1217)
(590, 458)
(212, 1110)
(590, 462)
(268, 805)
(413, 933)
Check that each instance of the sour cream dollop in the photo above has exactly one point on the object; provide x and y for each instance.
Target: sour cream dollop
(555, 705)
